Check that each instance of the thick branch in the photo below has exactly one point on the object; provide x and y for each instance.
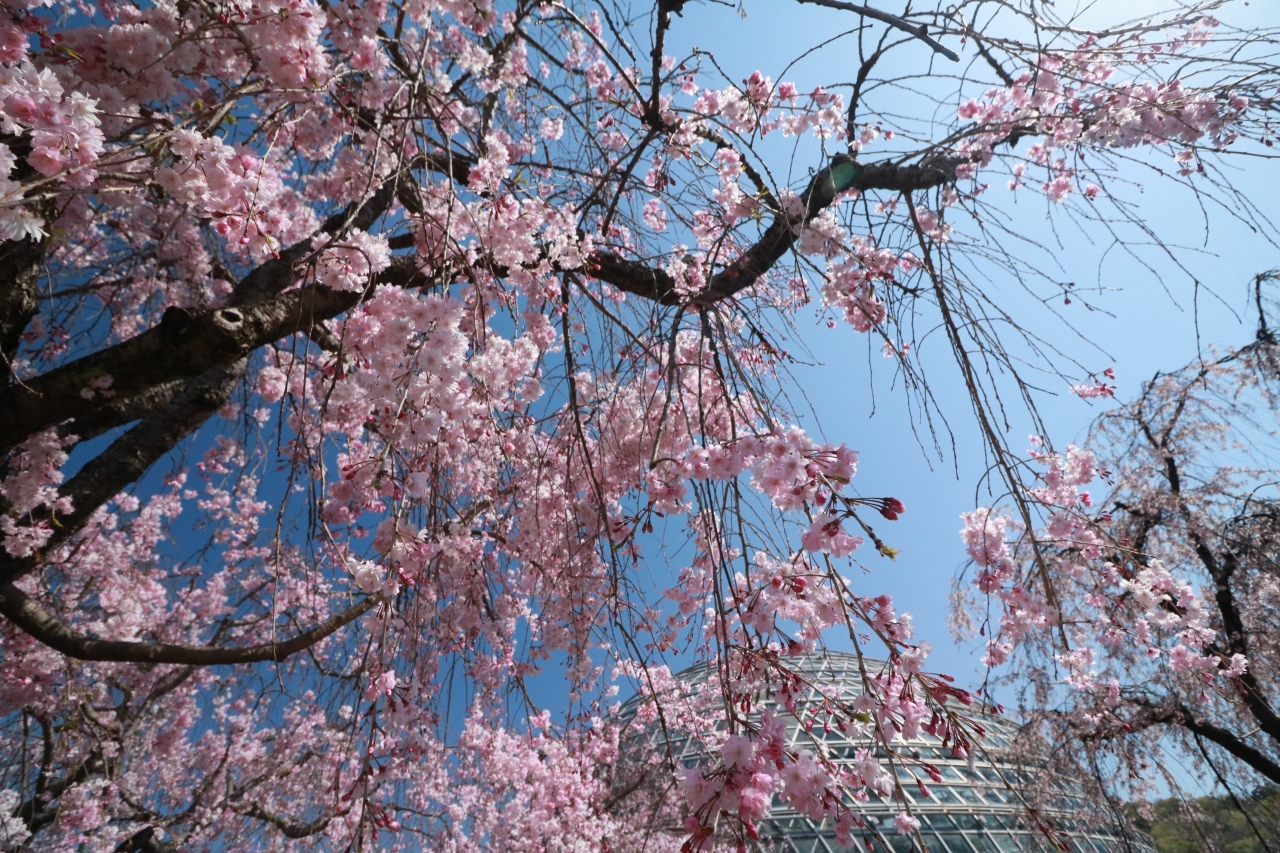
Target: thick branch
(275, 275)
(183, 345)
(278, 273)
(1221, 571)
(456, 166)
(1177, 714)
(777, 240)
(1237, 639)
(122, 410)
(1005, 77)
(145, 841)
(20, 263)
(1232, 744)
(39, 811)
(129, 457)
(24, 612)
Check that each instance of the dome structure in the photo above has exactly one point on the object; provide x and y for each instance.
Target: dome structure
(973, 809)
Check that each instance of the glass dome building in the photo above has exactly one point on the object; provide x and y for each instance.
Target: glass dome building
(972, 810)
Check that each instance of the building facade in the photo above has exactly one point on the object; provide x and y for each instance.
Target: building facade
(973, 809)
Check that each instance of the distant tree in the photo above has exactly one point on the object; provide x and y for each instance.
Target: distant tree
(1223, 824)
(1163, 580)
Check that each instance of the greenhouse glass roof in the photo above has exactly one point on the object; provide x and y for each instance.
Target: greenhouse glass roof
(972, 810)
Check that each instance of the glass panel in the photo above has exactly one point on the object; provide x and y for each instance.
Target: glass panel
(955, 843)
(928, 839)
(1028, 842)
(944, 795)
(899, 843)
(983, 843)
(1006, 843)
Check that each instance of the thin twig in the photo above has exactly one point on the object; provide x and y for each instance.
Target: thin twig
(921, 32)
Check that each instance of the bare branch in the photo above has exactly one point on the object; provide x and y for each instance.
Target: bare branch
(921, 32)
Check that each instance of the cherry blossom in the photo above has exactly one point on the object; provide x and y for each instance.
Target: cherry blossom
(373, 372)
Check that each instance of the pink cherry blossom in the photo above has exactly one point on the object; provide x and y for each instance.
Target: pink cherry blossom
(390, 389)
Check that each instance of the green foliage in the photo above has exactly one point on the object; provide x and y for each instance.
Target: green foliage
(1217, 824)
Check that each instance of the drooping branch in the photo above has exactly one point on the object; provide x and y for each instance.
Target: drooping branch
(28, 615)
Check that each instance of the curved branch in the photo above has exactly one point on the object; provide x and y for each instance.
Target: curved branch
(24, 612)
(1252, 756)
(1179, 715)
(655, 284)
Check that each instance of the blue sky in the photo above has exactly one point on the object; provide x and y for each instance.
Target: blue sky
(1147, 320)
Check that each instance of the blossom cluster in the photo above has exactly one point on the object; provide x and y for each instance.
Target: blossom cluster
(31, 484)
(241, 192)
(1146, 604)
(61, 127)
(1070, 100)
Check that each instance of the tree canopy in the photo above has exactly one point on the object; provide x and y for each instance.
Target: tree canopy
(366, 364)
